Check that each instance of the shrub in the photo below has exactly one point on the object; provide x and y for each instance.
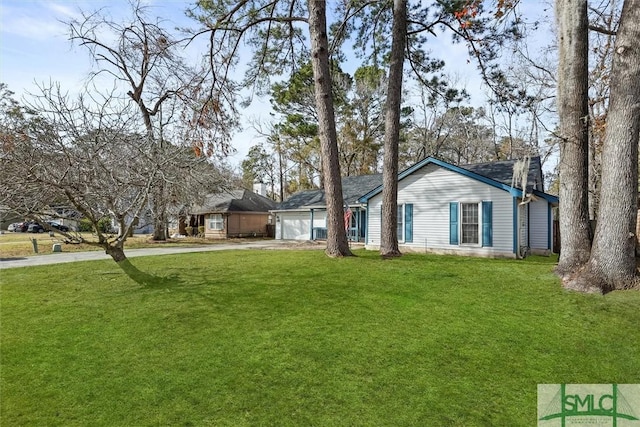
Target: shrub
(104, 225)
(85, 225)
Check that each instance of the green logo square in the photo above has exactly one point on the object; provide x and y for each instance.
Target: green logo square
(605, 405)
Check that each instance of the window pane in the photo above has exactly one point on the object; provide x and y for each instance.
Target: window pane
(400, 223)
(470, 226)
(215, 222)
(469, 233)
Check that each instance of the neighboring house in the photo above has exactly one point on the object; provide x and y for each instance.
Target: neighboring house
(442, 208)
(303, 216)
(238, 213)
(142, 224)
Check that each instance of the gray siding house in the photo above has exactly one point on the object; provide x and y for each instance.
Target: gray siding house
(442, 208)
(469, 210)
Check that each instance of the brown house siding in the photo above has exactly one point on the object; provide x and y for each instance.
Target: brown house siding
(239, 224)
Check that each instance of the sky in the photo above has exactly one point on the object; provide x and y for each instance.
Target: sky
(34, 48)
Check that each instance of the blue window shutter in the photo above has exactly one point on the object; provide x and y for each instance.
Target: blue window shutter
(453, 223)
(487, 223)
(408, 223)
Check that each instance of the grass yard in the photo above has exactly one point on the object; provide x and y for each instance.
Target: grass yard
(292, 338)
(20, 244)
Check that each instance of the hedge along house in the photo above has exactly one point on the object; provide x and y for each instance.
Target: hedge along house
(469, 210)
(303, 216)
(238, 213)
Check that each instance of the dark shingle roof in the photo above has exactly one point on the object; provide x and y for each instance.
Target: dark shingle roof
(235, 201)
(303, 198)
(355, 187)
(502, 171)
(352, 188)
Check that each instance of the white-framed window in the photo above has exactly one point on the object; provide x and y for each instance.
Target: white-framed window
(216, 222)
(469, 224)
(401, 223)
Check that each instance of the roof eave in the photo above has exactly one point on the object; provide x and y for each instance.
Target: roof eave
(513, 191)
(555, 200)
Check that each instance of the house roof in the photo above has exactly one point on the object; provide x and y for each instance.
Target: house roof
(235, 201)
(502, 171)
(497, 174)
(352, 188)
(301, 199)
(358, 189)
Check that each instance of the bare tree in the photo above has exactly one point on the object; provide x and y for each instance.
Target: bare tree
(88, 154)
(146, 61)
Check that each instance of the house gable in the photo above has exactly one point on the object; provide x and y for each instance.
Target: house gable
(434, 193)
(500, 169)
(431, 160)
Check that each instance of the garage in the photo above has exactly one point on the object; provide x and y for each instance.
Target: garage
(293, 225)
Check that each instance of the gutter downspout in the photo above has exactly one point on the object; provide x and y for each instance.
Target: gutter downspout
(516, 230)
(311, 227)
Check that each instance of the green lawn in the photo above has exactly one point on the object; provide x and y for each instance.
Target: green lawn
(297, 339)
(14, 245)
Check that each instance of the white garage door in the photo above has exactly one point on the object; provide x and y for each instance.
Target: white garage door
(294, 226)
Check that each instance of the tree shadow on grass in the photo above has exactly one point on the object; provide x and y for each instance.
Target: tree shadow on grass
(146, 279)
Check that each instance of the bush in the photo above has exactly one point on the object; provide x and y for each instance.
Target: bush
(201, 231)
(189, 230)
(104, 225)
(85, 225)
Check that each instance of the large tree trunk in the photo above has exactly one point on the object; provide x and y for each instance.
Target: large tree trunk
(389, 230)
(159, 205)
(573, 112)
(612, 265)
(337, 244)
(160, 222)
(117, 253)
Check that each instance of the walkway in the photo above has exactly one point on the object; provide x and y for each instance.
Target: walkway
(64, 257)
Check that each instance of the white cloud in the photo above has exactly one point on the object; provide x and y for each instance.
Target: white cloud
(30, 20)
(62, 11)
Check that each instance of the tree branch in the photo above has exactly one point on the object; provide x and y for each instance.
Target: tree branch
(602, 30)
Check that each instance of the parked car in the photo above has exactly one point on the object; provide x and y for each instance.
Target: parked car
(34, 227)
(14, 227)
(58, 226)
(21, 226)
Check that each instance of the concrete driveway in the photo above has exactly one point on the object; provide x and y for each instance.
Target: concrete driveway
(64, 257)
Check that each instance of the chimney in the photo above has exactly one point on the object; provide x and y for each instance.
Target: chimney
(260, 188)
